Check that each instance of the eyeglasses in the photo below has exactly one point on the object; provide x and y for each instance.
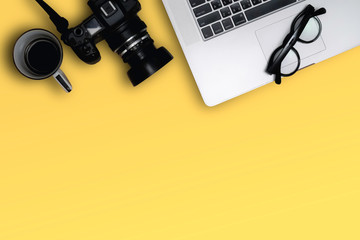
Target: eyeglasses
(306, 28)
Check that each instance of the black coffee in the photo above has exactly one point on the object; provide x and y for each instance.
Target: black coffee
(43, 56)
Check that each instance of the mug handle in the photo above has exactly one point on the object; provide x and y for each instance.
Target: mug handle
(61, 78)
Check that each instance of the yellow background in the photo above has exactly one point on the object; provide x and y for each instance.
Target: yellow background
(110, 161)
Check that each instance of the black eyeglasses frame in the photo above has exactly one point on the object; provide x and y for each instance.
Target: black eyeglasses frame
(276, 59)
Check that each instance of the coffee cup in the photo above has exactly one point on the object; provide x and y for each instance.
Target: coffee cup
(38, 55)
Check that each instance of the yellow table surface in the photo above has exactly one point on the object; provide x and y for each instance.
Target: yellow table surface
(110, 161)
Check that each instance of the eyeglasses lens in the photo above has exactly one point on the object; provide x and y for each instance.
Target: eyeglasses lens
(290, 64)
(312, 30)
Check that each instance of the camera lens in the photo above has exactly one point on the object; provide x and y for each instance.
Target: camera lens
(134, 44)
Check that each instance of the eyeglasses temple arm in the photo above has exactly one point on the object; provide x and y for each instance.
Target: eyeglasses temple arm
(320, 11)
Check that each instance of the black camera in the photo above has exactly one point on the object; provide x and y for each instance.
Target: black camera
(117, 22)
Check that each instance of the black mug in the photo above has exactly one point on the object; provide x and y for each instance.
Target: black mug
(38, 55)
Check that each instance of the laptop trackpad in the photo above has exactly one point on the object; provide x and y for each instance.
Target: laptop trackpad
(272, 36)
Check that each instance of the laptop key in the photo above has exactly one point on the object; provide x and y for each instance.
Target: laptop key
(225, 12)
(235, 8)
(217, 28)
(226, 2)
(202, 10)
(239, 19)
(195, 3)
(227, 24)
(246, 4)
(208, 19)
(266, 8)
(207, 32)
(256, 2)
(216, 4)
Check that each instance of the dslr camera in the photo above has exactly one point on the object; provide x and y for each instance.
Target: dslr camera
(116, 22)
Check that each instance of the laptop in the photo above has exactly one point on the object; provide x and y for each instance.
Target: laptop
(227, 43)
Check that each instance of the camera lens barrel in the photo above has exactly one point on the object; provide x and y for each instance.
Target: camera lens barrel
(134, 44)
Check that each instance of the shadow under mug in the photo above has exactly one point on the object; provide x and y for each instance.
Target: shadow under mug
(38, 55)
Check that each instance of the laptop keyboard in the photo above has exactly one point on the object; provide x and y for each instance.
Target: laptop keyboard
(215, 17)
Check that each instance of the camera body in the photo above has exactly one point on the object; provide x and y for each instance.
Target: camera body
(107, 17)
(115, 21)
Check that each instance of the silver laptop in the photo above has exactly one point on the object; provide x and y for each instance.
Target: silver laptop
(227, 43)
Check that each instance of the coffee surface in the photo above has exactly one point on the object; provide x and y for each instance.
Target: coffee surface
(43, 56)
